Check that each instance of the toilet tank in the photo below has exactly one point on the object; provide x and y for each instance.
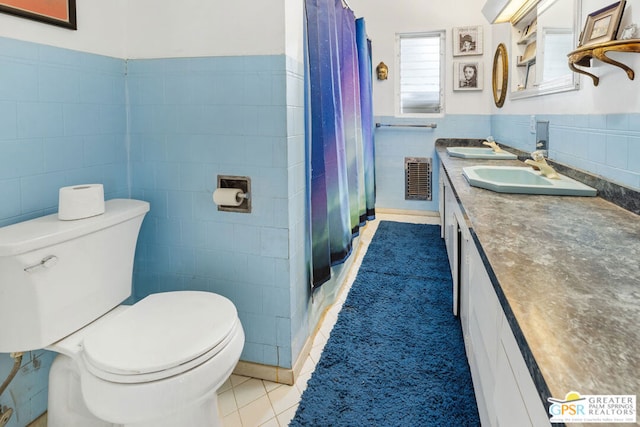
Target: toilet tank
(58, 276)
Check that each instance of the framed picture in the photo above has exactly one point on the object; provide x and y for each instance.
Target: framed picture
(467, 41)
(602, 25)
(55, 12)
(467, 75)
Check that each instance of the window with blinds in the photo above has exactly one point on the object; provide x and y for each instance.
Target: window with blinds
(421, 65)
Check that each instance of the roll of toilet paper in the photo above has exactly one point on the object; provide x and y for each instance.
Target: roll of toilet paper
(228, 197)
(80, 201)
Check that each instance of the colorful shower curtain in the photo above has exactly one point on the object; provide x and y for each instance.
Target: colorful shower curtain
(339, 133)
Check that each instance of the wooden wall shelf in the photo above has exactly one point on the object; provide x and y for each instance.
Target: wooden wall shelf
(583, 55)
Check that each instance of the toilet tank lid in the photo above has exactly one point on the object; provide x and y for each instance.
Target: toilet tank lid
(48, 230)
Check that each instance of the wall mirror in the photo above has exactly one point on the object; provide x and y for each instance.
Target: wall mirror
(500, 75)
(540, 41)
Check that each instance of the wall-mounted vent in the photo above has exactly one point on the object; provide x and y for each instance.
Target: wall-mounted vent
(417, 177)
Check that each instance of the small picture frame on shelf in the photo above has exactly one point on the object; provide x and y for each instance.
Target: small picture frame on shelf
(602, 25)
(467, 41)
(467, 75)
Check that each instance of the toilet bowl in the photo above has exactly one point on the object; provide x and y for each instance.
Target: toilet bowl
(156, 363)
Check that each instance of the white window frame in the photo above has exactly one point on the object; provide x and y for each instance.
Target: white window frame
(397, 95)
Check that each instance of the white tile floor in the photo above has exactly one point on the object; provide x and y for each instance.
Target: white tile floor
(249, 402)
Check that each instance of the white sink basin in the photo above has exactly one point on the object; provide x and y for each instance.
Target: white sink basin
(523, 180)
(479, 153)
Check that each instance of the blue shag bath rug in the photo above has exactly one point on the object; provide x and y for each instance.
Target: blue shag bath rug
(395, 356)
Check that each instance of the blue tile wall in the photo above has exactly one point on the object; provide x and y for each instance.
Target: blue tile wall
(192, 120)
(392, 145)
(62, 122)
(606, 145)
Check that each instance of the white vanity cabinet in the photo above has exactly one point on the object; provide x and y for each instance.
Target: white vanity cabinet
(482, 337)
(448, 208)
(441, 189)
(504, 389)
(451, 232)
(465, 274)
(515, 394)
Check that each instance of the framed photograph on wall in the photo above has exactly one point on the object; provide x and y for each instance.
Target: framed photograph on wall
(602, 25)
(55, 12)
(467, 41)
(467, 75)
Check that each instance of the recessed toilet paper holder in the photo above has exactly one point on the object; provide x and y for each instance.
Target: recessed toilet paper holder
(242, 183)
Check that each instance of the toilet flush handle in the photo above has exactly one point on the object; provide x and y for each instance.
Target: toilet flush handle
(46, 262)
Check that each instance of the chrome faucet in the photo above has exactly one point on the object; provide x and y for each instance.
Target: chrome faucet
(538, 162)
(491, 143)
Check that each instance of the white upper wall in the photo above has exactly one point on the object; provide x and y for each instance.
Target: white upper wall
(162, 29)
(101, 29)
(385, 19)
(294, 16)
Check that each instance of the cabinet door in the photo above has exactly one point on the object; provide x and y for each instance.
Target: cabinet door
(535, 409)
(507, 399)
(453, 218)
(442, 178)
(484, 310)
(450, 225)
(465, 245)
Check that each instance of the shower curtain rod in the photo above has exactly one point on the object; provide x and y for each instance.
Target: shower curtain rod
(430, 125)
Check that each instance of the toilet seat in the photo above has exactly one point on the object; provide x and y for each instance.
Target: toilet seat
(163, 335)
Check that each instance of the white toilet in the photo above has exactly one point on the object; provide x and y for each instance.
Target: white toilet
(156, 363)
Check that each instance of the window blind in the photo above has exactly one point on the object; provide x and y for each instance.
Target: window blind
(421, 73)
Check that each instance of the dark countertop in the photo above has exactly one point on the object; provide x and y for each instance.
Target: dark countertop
(567, 273)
